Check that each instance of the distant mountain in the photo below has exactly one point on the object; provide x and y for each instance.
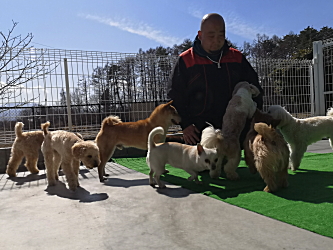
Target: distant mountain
(12, 114)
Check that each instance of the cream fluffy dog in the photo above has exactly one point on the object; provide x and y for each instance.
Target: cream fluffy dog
(271, 157)
(240, 108)
(300, 133)
(26, 144)
(192, 159)
(67, 149)
(115, 133)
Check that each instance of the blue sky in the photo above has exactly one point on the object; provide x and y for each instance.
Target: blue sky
(127, 26)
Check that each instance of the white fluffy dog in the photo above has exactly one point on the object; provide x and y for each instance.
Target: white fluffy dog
(240, 108)
(300, 133)
(192, 159)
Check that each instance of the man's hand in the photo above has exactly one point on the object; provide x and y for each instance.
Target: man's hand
(190, 135)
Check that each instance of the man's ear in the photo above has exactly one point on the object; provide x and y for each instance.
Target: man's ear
(199, 34)
(200, 149)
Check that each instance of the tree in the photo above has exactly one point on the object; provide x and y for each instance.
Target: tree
(15, 72)
(177, 49)
(288, 46)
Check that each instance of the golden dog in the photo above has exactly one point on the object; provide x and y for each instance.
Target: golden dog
(26, 144)
(258, 116)
(66, 149)
(271, 156)
(115, 133)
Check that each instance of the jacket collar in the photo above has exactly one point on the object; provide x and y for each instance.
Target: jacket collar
(201, 52)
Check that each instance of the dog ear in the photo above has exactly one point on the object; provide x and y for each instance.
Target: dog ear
(169, 103)
(200, 148)
(254, 90)
(77, 151)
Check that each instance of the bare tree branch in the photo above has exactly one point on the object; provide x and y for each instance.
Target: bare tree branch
(20, 63)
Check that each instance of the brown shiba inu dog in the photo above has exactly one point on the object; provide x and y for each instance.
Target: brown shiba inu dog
(115, 133)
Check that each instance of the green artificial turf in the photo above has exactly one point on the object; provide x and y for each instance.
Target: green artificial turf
(307, 202)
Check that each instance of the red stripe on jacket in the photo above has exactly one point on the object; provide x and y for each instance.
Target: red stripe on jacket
(191, 59)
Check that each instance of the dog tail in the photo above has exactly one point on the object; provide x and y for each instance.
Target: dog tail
(155, 131)
(210, 137)
(45, 127)
(330, 112)
(265, 130)
(18, 129)
(111, 120)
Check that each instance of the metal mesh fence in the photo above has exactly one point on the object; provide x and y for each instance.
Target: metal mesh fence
(78, 89)
(287, 83)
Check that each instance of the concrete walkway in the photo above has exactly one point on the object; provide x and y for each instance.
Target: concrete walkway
(126, 213)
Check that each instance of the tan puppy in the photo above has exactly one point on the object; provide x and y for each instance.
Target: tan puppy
(258, 116)
(271, 157)
(67, 149)
(26, 144)
(192, 159)
(115, 133)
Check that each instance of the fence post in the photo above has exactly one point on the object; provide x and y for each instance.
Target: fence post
(68, 97)
(312, 93)
(318, 65)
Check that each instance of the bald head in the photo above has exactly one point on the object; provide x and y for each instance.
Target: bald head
(212, 17)
(212, 32)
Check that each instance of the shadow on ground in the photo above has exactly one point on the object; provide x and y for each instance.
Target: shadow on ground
(80, 193)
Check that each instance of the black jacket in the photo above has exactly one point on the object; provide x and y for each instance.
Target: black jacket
(201, 91)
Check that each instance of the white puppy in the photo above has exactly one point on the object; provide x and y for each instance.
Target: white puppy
(240, 108)
(300, 133)
(212, 138)
(192, 159)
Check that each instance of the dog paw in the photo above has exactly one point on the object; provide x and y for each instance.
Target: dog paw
(266, 189)
(232, 176)
(52, 182)
(12, 175)
(102, 179)
(190, 178)
(214, 174)
(73, 189)
(253, 170)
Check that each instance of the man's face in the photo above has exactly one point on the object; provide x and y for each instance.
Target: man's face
(212, 35)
